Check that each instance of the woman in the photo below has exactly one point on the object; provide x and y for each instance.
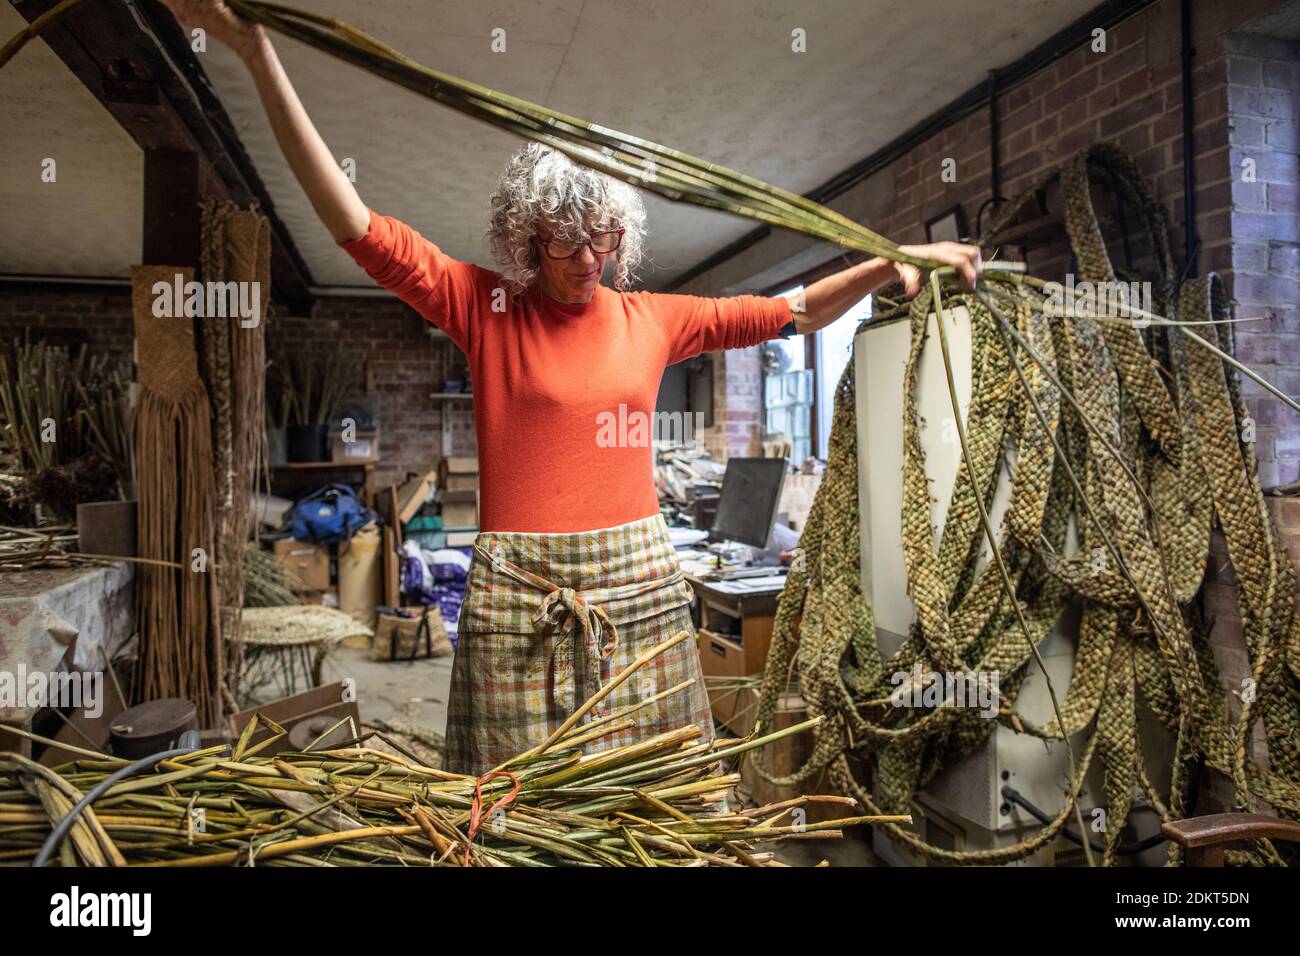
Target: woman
(574, 575)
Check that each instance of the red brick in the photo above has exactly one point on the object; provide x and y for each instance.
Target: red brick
(1114, 64)
(1130, 114)
(1135, 84)
(1020, 141)
(1071, 92)
(1214, 226)
(1047, 128)
(1073, 63)
(1211, 166)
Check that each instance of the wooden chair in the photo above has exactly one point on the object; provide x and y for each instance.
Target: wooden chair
(1206, 838)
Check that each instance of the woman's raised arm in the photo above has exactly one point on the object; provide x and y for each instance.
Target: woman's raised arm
(332, 195)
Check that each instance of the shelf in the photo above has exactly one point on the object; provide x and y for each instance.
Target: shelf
(317, 465)
(451, 396)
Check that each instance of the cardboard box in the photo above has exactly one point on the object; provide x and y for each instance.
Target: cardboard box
(460, 509)
(721, 657)
(328, 598)
(363, 447)
(307, 561)
(411, 495)
(458, 474)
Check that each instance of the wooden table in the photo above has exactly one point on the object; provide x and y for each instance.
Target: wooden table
(734, 632)
(748, 615)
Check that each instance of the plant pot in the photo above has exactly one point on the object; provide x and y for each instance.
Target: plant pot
(276, 452)
(308, 442)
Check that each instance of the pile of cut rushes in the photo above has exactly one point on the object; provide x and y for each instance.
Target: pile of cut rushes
(659, 802)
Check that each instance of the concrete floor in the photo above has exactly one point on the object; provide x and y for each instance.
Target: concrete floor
(416, 692)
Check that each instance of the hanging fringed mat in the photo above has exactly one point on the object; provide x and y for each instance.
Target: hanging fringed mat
(176, 607)
(235, 247)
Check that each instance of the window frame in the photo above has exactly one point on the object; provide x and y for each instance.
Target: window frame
(811, 351)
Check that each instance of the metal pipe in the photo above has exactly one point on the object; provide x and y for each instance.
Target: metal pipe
(1191, 243)
(995, 177)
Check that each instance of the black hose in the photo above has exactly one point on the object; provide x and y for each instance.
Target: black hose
(189, 743)
(1013, 795)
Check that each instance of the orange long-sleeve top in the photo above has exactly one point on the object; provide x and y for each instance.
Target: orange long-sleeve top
(558, 387)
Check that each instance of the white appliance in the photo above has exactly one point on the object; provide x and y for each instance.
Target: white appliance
(963, 808)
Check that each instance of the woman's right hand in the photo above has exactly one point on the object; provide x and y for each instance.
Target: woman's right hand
(218, 21)
(331, 193)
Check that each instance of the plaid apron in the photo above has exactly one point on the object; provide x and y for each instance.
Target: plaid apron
(548, 620)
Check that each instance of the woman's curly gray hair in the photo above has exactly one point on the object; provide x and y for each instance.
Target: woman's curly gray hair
(542, 187)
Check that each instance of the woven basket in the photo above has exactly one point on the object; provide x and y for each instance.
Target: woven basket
(400, 638)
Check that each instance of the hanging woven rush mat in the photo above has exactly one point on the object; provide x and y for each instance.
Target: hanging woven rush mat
(548, 619)
(180, 652)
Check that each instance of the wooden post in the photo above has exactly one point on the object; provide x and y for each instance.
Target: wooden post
(172, 225)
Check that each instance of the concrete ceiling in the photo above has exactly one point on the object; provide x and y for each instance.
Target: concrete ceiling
(715, 79)
(86, 222)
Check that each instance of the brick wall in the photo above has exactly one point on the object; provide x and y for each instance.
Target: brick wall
(1130, 92)
(1261, 165)
(71, 315)
(737, 401)
(401, 363)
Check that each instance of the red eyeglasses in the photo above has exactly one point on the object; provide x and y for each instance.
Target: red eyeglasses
(601, 243)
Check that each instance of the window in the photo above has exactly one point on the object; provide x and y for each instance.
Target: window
(834, 345)
(797, 396)
(788, 392)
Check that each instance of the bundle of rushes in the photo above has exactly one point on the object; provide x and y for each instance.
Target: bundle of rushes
(659, 802)
(267, 582)
(64, 416)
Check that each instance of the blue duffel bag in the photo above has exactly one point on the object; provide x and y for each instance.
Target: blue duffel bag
(329, 514)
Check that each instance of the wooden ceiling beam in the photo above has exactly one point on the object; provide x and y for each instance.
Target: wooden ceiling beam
(135, 59)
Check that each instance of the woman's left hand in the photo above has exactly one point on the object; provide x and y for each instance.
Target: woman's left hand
(965, 259)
